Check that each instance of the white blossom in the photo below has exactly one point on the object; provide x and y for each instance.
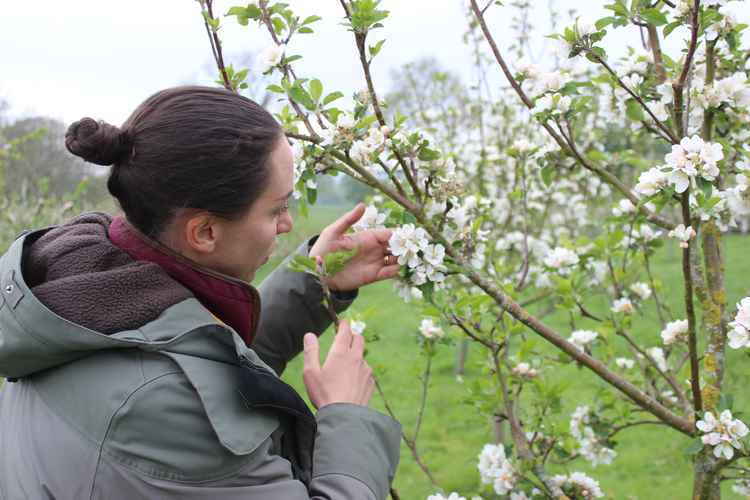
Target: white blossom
(371, 219)
(452, 496)
(739, 335)
(624, 207)
(524, 369)
(657, 356)
(584, 27)
(345, 121)
(625, 363)
(674, 331)
(642, 290)
(690, 158)
(555, 103)
(622, 305)
(724, 433)
(429, 330)
(580, 338)
(683, 234)
(586, 486)
(406, 291)
(650, 182)
(496, 469)
(406, 242)
(270, 57)
(561, 259)
(357, 327)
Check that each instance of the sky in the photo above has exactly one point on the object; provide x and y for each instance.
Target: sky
(101, 58)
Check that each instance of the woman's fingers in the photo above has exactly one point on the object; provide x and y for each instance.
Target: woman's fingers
(388, 272)
(343, 340)
(358, 344)
(343, 223)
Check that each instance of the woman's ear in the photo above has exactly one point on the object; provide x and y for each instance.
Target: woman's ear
(201, 233)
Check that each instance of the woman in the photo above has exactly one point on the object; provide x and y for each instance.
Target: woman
(142, 364)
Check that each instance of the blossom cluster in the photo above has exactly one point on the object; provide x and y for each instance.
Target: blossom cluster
(452, 496)
(690, 159)
(581, 338)
(496, 469)
(724, 433)
(739, 335)
(578, 484)
(623, 305)
(524, 370)
(674, 331)
(412, 246)
(561, 260)
(624, 363)
(429, 330)
(657, 356)
(683, 235)
(371, 219)
(590, 447)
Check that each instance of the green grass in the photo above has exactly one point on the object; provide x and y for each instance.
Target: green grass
(650, 462)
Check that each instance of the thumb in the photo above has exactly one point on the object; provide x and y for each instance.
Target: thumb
(312, 352)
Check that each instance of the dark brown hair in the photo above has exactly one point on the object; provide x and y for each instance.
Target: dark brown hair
(184, 147)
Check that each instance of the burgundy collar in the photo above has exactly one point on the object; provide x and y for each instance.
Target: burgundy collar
(231, 300)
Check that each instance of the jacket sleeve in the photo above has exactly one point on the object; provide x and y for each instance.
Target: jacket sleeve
(355, 458)
(292, 305)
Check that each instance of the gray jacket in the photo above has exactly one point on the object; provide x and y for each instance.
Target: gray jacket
(178, 407)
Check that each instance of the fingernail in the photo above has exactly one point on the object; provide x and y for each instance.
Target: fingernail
(309, 339)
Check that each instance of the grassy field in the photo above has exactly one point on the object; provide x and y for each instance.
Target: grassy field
(650, 462)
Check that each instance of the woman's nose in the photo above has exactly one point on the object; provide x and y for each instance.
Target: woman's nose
(285, 224)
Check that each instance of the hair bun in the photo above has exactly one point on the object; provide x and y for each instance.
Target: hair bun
(97, 142)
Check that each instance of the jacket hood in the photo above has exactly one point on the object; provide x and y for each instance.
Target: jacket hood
(68, 290)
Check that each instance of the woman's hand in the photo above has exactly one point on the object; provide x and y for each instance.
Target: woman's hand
(369, 264)
(345, 377)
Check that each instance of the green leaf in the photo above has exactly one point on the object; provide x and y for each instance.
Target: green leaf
(375, 49)
(336, 261)
(275, 88)
(695, 447)
(547, 172)
(241, 14)
(305, 30)
(365, 15)
(669, 28)
(312, 195)
(300, 95)
(654, 16)
(604, 22)
(290, 59)
(427, 154)
(332, 97)
(633, 110)
(253, 12)
(311, 19)
(408, 218)
(618, 8)
(303, 264)
(705, 186)
(726, 402)
(316, 89)
(278, 25)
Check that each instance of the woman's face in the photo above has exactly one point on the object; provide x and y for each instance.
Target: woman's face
(243, 245)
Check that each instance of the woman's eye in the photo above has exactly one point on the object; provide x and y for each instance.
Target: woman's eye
(283, 208)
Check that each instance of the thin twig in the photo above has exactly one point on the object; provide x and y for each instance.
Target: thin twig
(690, 310)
